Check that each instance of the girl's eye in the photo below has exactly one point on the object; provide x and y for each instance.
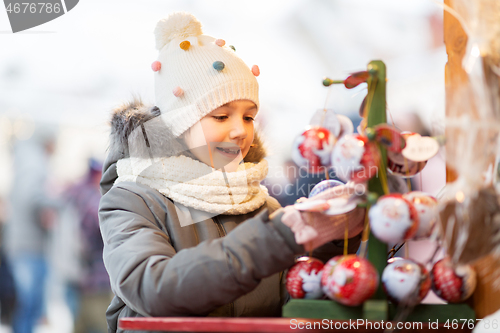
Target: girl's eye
(249, 118)
(220, 118)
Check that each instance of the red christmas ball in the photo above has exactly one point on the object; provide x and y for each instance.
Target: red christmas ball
(355, 158)
(349, 280)
(406, 281)
(453, 284)
(312, 149)
(303, 280)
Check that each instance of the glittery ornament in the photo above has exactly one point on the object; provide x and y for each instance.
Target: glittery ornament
(349, 280)
(426, 206)
(303, 280)
(406, 282)
(393, 219)
(312, 149)
(453, 284)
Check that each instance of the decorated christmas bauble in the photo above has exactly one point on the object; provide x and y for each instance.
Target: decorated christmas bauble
(393, 219)
(355, 158)
(349, 280)
(303, 280)
(453, 284)
(323, 186)
(406, 281)
(312, 149)
(402, 166)
(426, 206)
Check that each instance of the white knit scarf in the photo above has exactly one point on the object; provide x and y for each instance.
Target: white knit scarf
(194, 184)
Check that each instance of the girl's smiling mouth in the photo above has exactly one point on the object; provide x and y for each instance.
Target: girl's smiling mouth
(229, 152)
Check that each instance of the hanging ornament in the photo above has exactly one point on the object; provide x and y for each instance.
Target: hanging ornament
(355, 158)
(349, 280)
(406, 282)
(323, 186)
(426, 206)
(453, 284)
(393, 219)
(339, 125)
(389, 137)
(398, 164)
(303, 280)
(312, 149)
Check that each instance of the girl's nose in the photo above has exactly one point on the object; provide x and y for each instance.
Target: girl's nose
(238, 130)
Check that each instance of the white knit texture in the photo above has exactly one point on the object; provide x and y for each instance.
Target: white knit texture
(194, 184)
(204, 87)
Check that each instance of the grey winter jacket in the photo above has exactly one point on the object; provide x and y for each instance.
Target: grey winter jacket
(223, 266)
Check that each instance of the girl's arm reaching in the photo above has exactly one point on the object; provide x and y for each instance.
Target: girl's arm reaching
(154, 280)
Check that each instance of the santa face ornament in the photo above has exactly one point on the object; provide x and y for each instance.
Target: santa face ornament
(303, 280)
(355, 158)
(426, 206)
(312, 149)
(349, 280)
(406, 282)
(393, 219)
(453, 284)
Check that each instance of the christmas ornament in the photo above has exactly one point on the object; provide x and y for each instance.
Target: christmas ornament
(304, 278)
(426, 206)
(312, 149)
(355, 158)
(398, 164)
(453, 284)
(393, 219)
(338, 125)
(323, 186)
(406, 282)
(349, 280)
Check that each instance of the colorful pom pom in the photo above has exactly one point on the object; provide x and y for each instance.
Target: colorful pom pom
(255, 70)
(220, 42)
(178, 92)
(219, 65)
(231, 46)
(156, 66)
(185, 45)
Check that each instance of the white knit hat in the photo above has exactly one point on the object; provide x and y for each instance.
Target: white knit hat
(196, 73)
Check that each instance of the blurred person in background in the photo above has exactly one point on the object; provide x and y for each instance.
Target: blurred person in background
(77, 253)
(7, 290)
(26, 235)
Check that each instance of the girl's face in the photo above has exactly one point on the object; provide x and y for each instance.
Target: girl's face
(222, 138)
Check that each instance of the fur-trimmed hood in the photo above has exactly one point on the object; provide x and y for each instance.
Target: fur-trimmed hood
(137, 130)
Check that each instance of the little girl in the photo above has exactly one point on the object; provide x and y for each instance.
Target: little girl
(187, 228)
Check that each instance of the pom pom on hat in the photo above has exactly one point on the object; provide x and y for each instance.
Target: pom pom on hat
(176, 25)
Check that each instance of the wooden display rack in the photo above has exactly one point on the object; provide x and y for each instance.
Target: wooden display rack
(377, 308)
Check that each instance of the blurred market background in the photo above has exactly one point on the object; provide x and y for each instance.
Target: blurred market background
(59, 81)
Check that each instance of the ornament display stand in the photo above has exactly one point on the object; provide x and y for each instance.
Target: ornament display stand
(377, 308)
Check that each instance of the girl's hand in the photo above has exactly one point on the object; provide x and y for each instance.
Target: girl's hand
(313, 228)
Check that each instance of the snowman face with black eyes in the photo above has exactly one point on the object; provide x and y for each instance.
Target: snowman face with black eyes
(390, 220)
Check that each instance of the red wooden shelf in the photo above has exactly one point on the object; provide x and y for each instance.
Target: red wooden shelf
(278, 325)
